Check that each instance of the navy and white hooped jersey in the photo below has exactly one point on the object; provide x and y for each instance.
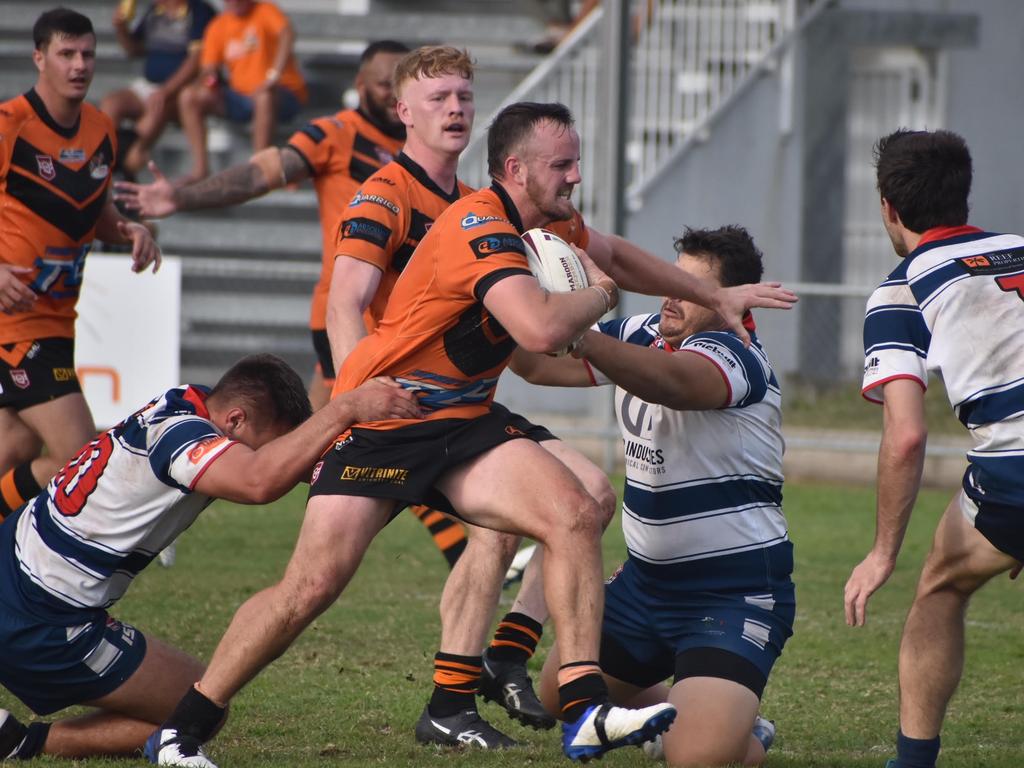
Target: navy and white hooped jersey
(955, 305)
(708, 483)
(111, 509)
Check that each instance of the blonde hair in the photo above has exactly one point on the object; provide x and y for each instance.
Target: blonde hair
(431, 61)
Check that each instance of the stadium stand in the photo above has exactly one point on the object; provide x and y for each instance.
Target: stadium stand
(248, 271)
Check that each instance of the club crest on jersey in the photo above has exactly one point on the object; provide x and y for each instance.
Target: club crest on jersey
(471, 220)
(46, 169)
(72, 155)
(20, 378)
(98, 168)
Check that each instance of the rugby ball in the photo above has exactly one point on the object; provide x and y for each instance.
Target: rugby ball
(553, 263)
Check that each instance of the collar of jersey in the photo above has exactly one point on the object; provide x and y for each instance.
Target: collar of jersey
(36, 102)
(510, 207)
(417, 172)
(937, 236)
(391, 131)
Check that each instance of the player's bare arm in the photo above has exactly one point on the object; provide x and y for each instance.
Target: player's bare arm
(640, 271)
(260, 476)
(549, 371)
(900, 461)
(683, 381)
(354, 283)
(114, 228)
(546, 322)
(267, 170)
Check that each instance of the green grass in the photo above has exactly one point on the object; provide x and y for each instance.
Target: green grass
(349, 691)
(842, 407)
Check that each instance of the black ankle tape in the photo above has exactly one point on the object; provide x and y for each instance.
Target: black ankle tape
(196, 716)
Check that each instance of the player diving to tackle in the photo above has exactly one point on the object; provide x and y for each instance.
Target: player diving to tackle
(73, 551)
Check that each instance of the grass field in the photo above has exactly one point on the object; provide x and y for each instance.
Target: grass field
(349, 692)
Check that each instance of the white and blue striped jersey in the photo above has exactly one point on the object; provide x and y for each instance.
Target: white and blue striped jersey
(708, 483)
(954, 306)
(109, 511)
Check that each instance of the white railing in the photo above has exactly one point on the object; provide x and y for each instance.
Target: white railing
(571, 76)
(688, 57)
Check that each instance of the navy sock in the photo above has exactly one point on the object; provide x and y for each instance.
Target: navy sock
(35, 740)
(916, 753)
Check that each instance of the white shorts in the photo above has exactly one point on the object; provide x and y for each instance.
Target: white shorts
(142, 88)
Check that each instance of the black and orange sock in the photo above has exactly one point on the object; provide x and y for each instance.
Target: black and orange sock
(515, 639)
(16, 487)
(449, 535)
(580, 685)
(456, 680)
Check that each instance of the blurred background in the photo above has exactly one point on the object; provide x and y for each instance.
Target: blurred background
(691, 112)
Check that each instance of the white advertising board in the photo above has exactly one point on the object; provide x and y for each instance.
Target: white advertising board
(127, 335)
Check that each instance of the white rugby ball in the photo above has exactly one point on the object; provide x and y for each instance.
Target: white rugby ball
(553, 263)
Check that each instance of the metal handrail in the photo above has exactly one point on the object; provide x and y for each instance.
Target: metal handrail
(473, 163)
(701, 130)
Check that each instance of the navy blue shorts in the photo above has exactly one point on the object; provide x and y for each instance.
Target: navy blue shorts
(652, 633)
(238, 106)
(50, 667)
(1001, 524)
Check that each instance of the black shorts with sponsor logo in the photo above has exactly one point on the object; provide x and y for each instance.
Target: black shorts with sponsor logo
(322, 348)
(404, 464)
(36, 372)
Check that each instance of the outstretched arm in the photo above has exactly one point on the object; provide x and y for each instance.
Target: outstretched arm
(900, 461)
(260, 476)
(267, 170)
(638, 270)
(682, 380)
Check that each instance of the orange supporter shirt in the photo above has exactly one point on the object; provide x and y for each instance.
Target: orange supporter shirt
(53, 187)
(387, 219)
(246, 45)
(436, 337)
(342, 152)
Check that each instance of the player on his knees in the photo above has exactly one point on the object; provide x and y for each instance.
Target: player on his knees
(705, 595)
(73, 550)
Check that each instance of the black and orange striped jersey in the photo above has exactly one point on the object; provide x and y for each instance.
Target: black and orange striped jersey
(342, 151)
(393, 211)
(53, 187)
(436, 337)
(386, 220)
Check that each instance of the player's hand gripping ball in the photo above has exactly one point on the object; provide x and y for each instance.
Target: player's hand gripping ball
(553, 263)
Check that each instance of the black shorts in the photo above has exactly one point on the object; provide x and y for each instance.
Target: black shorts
(404, 464)
(322, 348)
(45, 372)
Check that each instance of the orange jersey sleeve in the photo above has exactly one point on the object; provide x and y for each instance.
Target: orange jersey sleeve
(53, 188)
(342, 152)
(572, 231)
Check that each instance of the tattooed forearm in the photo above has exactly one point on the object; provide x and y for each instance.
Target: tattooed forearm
(229, 187)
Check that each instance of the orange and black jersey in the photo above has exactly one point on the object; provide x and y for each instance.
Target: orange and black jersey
(388, 217)
(436, 337)
(53, 187)
(341, 151)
